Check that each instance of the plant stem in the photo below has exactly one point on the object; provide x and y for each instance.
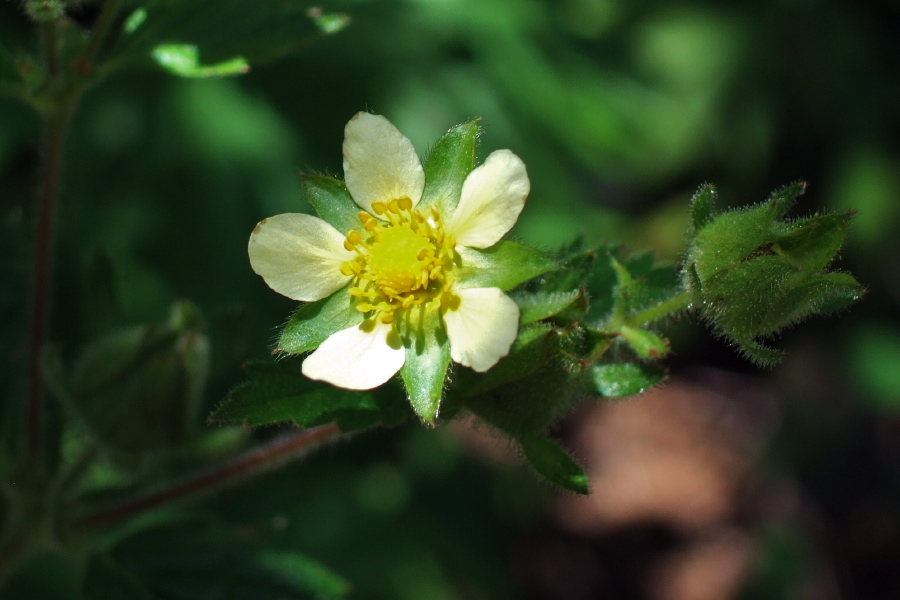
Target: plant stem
(14, 545)
(659, 311)
(51, 44)
(98, 33)
(40, 296)
(254, 462)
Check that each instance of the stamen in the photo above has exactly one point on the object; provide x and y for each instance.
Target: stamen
(404, 260)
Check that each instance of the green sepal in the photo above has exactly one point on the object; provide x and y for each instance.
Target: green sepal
(752, 275)
(537, 306)
(312, 323)
(618, 380)
(553, 463)
(782, 199)
(730, 239)
(645, 344)
(504, 265)
(331, 201)
(702, 205)
(447, 166)
(279, 393)
(427, 361)
(191, 560)
(823, 294)
(812, 243)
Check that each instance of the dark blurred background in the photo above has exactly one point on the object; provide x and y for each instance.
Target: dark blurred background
(730, 481)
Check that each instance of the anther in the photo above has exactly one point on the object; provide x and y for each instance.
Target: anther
(393, 206)
(379, 207)
(405, 203)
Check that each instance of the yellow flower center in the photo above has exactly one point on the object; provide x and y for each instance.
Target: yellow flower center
(405, 260)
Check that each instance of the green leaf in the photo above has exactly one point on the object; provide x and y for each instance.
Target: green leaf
(332, 202)
(447, 166)
(536, 306)
(184, 60)
(702, 205)
(280, 393)
(645, 344)
(503, 265)
(181, 561)
(314, 322)
(221, 30)
(625, 379)
(574, 266)
(556, 465)
(812, 243)
(427, 360)
(531, 350)
(536, 383)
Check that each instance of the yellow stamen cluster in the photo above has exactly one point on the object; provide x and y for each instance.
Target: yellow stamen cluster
(403, 259)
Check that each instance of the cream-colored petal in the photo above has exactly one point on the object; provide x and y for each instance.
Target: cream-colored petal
(380, 163)
(483, 327)
(358, 358)
(492, 197)
(299, 256)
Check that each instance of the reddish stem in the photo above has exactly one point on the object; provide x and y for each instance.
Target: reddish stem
(253, 463)
(41, 302)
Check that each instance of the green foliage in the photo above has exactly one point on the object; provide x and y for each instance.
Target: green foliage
(230, 36)
(752, 274)
(555, 464)
(155, 373)
(625, 379)
(648, 97)
(279, 393)
(193, 561)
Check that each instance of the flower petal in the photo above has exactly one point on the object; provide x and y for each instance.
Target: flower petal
(380, 163)
(492, 197)
(483, 327)
(358, 358)
(299, 256)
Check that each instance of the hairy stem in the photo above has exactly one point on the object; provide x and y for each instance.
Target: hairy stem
(54, 141)
(660, 311)
(254, 462)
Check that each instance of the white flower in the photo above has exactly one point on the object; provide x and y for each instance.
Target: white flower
(401, 261)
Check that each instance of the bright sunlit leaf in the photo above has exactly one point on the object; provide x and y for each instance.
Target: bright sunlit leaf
(184, 60)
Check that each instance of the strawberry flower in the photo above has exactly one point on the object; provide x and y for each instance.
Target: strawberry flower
(408, 273)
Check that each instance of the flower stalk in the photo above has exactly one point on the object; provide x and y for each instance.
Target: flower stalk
(254, 462)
